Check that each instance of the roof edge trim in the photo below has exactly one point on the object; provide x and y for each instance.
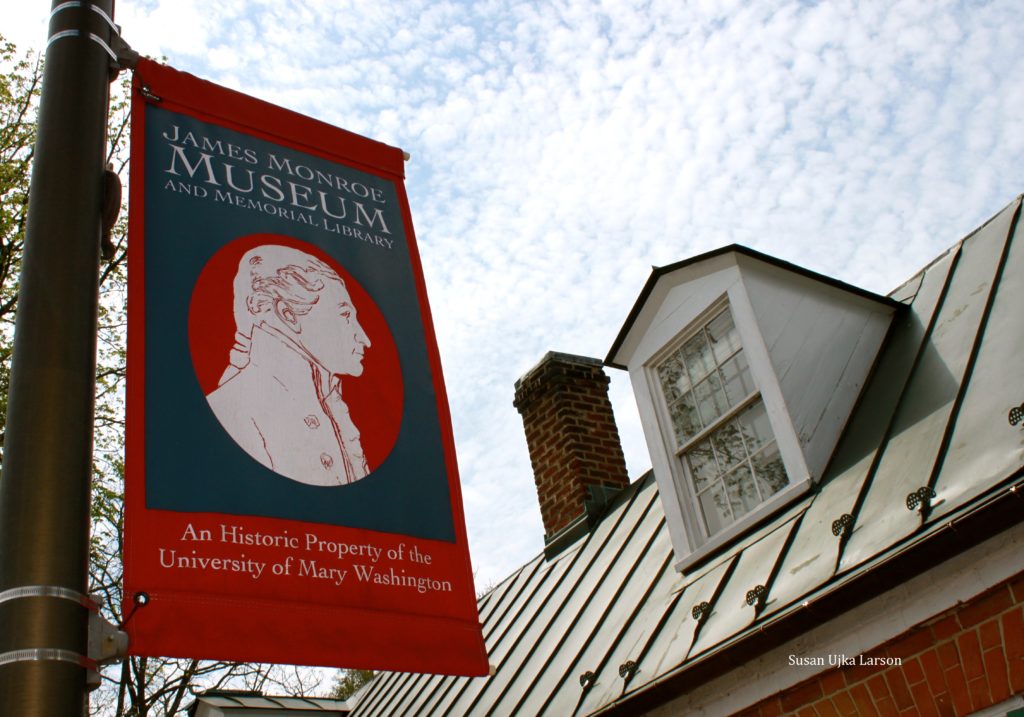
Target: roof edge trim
(990, 514)
(658, 272)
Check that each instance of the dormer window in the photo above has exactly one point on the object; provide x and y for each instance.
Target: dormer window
(745, 370)
(722, 437)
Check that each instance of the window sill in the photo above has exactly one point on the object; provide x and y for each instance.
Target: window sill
(742, 527)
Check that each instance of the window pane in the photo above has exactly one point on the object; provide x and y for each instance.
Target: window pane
(742, 492)
(673, 378)
(714, 508)
(702, 463)
(697, 357)
(756, 429)
(685, 421)
(737, 379)
(736, 466)
(710, 397)
(724, 338)
(729, 444)
(771, 474)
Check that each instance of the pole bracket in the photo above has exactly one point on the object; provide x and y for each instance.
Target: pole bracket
(107, 644)
(127, 58)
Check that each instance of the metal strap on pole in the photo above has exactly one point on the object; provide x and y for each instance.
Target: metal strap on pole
(55, 591)
(95, 8)
(121, 55)
(47, 655)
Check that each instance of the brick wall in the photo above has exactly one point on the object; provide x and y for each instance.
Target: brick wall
(571, 435)
(961, 661)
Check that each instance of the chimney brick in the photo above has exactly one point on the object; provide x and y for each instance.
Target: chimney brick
(571, 434)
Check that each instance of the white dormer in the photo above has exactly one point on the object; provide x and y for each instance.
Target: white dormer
(745, 370)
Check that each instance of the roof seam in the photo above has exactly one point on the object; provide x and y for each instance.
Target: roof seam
(780, 559)
(972, 359)
(579, 553)
(611, 565)
(865, 487)
(665, 563)
(713, 602)
(671, 609)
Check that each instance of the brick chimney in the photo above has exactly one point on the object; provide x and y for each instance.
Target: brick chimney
(574, 443)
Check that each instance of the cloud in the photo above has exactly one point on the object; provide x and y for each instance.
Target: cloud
(561, 148)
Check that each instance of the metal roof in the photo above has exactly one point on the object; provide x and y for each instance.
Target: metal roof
(228, 702)
(928, 462)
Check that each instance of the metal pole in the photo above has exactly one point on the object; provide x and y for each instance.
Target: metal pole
(47, 463)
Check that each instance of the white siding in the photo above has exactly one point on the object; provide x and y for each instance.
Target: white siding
(822, 342)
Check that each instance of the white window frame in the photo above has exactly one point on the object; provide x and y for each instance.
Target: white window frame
(766, 390)
(1002, 709)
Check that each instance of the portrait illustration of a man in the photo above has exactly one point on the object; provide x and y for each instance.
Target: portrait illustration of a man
(297, 338)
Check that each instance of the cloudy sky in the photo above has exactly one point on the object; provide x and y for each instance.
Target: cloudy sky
(560, 148)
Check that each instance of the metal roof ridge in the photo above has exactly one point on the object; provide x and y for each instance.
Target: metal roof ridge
(956, 245)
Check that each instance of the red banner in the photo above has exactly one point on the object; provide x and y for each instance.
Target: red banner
(291, 491)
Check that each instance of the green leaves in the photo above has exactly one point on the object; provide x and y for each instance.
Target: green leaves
(20, 79)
